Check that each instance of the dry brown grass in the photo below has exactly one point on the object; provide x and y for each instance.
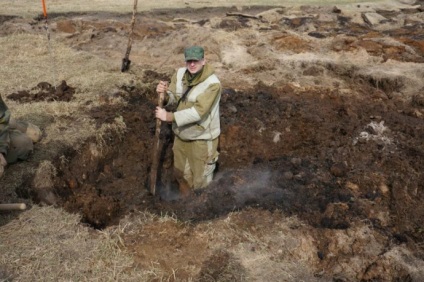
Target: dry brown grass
(44, 175)
(32, 8)
(27, 62)
(48, 244)
(117, 129)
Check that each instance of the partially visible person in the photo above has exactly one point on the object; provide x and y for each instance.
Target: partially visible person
(16, 138)
(196, 92)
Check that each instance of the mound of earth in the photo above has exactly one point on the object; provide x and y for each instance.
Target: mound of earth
(44, 91)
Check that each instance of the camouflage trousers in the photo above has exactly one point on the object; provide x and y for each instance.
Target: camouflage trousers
(21, 145)
(194, 162)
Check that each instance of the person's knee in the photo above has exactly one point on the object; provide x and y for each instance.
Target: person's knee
(33, 132)
(20, 148)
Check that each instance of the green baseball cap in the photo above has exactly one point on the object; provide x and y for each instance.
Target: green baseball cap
(194, 53)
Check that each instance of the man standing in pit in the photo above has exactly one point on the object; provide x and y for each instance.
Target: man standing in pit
(16, 138)
(196, 91)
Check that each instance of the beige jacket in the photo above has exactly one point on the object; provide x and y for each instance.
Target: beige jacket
(197, 117)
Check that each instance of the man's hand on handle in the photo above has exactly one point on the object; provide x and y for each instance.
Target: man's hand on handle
(161, 113)
(162, 87)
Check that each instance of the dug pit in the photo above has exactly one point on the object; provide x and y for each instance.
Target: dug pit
(329, 159)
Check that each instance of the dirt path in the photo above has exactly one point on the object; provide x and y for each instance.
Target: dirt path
(321, 149)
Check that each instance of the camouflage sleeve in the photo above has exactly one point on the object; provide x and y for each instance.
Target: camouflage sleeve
(4, 126)
(206, 100)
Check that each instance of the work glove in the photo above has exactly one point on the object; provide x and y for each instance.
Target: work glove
(3, 164)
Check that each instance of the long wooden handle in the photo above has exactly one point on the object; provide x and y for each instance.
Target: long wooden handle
(10, 207)
(156, 150)
(130, 36)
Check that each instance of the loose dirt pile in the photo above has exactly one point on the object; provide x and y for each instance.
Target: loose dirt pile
(321, 152)
(44, 91)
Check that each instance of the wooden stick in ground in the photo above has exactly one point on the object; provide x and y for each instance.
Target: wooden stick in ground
(11, 207)
(156, 147)
(126, 61)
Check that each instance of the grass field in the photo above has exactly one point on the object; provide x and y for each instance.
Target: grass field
(27, 8)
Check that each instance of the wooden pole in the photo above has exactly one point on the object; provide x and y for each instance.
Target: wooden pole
(10, 207)
(156, 150)
(126, 61)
